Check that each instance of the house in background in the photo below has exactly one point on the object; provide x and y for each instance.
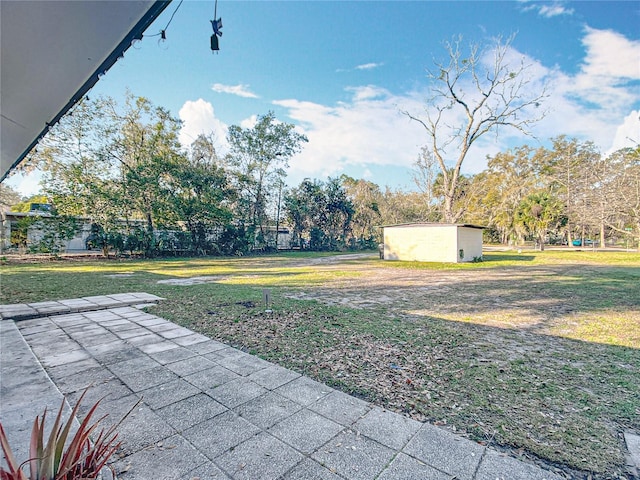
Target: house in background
(432, 242)
(18, 230)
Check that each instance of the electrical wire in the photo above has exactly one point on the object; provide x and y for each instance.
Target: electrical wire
(163, 32)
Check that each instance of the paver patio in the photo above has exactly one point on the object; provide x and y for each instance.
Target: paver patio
(210, 411)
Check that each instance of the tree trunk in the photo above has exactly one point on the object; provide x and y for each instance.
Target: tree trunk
(448, 208)
(602, 238)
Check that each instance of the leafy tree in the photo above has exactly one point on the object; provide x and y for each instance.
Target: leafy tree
(144, 147)
(198, 193)
(44, 233)
(259, 157)
(366, 198)
(338, 216)
(626, 185)
(538, 214)
(398, 206)
(304, 206)
(471, 98)
(110, 164)
(321, 213)
(76, 177)
(571, 168)
(8, 197)
(105, 240)
(499, 190)
(425, 172)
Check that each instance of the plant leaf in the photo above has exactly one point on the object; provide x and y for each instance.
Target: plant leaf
(6, 449)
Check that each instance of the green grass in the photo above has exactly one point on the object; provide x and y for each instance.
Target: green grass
(539, 352)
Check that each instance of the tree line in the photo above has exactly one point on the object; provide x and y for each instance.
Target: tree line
(123, 168)
(567, 193)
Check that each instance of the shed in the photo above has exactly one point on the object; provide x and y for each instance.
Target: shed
(432, 242)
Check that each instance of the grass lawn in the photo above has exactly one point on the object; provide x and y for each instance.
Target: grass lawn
(537, 352)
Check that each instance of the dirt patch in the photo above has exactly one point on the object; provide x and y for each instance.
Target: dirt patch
(536, 299)
(193, 280)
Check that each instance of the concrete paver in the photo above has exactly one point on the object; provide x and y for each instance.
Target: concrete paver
(448, 452)
(305, 430)
(404, 467)
(497, 466)
(171, 460)
(304, 390)
(310, 470)
(273, 377)
(208, 471)
(268, 409)
(354, 456)
(211, 378)
(223, 432)
(387, 428)
(236, 392)
(190, 365)
(209, 411)
(262, 456)
(633, 445)
(341, 408)
(168, 393)
(191, 411)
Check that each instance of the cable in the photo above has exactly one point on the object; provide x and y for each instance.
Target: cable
(163, 32)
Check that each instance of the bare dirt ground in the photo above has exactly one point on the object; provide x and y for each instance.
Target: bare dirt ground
(539, 299)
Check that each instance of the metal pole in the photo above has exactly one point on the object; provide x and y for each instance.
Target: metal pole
(278, 215)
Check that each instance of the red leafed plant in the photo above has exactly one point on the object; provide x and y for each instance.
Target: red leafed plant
(82, 458)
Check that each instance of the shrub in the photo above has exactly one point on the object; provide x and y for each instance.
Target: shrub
(80, 459)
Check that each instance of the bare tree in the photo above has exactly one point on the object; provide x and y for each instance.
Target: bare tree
(476, 92)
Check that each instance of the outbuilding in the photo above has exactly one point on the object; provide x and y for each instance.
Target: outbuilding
(432, 242)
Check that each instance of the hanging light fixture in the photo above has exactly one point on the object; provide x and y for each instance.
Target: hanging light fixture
(217, 29)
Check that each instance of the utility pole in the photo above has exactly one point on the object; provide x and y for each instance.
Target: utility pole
(278, 214)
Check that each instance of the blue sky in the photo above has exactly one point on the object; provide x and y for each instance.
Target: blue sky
(341, 71)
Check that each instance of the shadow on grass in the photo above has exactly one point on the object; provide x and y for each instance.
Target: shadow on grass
(512, 258)
(563, 400)
(537, 299)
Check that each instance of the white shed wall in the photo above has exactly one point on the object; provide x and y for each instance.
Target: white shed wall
(433, 243)
(470, 242)
(421, 244)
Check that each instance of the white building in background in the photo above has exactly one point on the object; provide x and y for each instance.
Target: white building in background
(432, 242)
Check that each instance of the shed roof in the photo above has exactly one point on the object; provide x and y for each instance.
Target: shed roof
(431, 224)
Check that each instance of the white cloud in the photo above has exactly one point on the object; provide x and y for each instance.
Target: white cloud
(368, 92)
(239, 90)
(627, 133)
(249, 122)
(553, 10)
(591, 105)
(548, 10)
(199, 117)
(368, 130)
(26, 184)
(611, 55)
(369, 66)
